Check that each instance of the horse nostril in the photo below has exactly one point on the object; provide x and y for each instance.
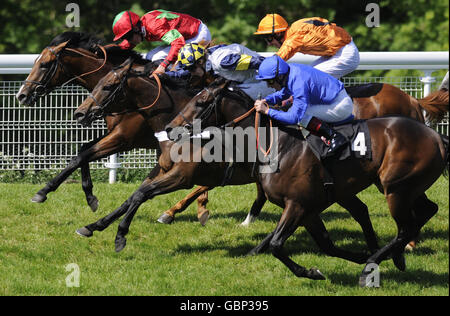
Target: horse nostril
(79, 116)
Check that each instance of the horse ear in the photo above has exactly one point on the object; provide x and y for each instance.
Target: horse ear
(205, 44)
(61, 46)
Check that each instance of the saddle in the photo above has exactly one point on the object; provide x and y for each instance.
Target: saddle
(359, 146)
(364, 90)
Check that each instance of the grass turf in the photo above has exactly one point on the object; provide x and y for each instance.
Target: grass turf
(38, 241)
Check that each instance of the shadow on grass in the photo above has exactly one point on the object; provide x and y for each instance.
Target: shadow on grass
(299, 243)
(413, 276)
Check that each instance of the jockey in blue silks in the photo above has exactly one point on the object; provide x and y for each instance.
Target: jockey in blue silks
(317, 98)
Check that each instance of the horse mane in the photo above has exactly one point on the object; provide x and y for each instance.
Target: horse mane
(89, 42)
(77, 40)
(117, 55)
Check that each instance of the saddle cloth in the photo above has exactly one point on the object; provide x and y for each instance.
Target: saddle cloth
(359, 145)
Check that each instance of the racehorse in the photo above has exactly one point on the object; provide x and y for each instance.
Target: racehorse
(81, 61)
(78, 58)
(370, 101)
(407, 158)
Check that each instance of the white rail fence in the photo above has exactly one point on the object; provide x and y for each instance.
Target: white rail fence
(46, 137)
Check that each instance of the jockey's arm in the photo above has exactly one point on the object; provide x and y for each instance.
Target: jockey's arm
(176, 42)
(180, 74)
(295, 112)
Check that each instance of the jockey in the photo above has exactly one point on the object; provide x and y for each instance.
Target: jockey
(313, 36)
(233, 62)
(318, 98)
(173, 29)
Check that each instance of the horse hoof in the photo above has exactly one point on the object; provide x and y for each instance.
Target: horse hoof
(250, 219)
(204, 218)
(38, 198)
(165, 219)
(121, 242)
(315, 274)
(92, 202)
(410, 246)
(255, 251)
(399, 262)
(84, 232)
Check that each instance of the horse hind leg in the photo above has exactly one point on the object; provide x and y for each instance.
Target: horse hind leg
(202, 211)
(400, 207)
(423, 210)
(199, 193)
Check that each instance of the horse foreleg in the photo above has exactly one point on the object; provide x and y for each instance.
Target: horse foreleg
(290, 220)
(423, 210)
(202, 211)
(319, 233)
(263, 246)
(200, 193)
(359, 211)
(87, 185)
(256, 207)
(400, 207)
(103, 223)
(163, 184)
(82, 158)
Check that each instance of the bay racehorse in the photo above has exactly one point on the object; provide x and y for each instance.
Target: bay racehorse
(79, 58)
(407, 158)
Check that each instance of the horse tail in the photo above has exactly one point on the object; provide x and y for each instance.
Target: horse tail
(435, 105)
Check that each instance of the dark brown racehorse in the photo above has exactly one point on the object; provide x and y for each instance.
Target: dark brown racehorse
(370, 101)
(407, 158)
(77, 58)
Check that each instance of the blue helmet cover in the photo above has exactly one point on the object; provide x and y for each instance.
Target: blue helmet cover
(272, 67)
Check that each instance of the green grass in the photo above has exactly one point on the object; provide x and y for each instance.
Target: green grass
(39, 240)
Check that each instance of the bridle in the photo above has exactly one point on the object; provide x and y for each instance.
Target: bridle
(207, 111)
(121, 89)
(42, 87)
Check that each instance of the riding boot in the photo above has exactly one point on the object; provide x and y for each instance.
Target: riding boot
(335, 140)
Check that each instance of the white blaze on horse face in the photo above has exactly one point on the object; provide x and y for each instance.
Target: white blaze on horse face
(28, 77)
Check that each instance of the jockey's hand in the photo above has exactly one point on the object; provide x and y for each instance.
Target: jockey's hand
(159, 70)
(261, 106)
(287, 102)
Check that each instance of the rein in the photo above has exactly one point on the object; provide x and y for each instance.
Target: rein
(111, 97)
(257, 123)
(43, 84)
(85, 55)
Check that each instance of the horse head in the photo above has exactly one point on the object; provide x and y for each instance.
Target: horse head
(56, 65)
(199, 107)
(107, 96)
(44, 75)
